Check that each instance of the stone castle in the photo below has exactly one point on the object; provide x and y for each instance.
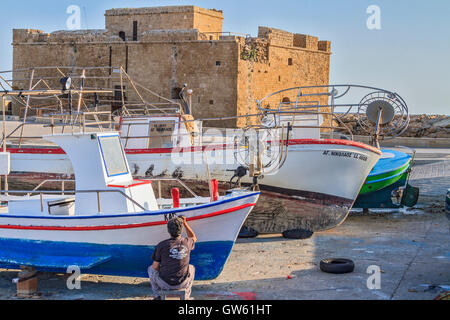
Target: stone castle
(166, 47)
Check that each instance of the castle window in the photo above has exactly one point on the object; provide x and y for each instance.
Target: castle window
(290, 61)
(122, 35)
(211, 102)
(117, 102)
(135, 30)
(8, 107)
(279, 78)
(176, 93)
(218, 63)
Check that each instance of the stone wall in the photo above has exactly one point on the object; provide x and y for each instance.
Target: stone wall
(227, 74)
(272, 62)
(163, 18)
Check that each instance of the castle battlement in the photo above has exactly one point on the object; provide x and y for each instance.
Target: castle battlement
(284, 38)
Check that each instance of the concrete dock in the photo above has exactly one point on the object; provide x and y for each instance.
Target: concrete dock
(410, 248)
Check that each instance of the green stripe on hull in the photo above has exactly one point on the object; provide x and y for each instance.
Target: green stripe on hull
(380, 181)
(388, 174)
(376, 186)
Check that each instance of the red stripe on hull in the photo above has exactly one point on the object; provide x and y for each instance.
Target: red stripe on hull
(206, 148)
(129, 226)
(36, 150)
(335, 142)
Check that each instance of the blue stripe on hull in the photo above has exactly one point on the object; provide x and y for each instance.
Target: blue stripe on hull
(208, 258)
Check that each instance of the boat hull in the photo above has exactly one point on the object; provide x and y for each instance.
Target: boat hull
(121, 245)
(381, 198)
(208, 258)
(283, 210)
(388, 175)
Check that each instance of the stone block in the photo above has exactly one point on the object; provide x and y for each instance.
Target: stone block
(28, 286)
(325, 46)
(305, 41)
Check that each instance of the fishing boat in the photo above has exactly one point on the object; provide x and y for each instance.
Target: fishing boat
(112, 222)
(302, 196)
(386, 186)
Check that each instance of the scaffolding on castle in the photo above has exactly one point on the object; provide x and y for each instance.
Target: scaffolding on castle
(93, 100)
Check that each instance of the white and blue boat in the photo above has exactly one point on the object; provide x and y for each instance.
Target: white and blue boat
(111, 223)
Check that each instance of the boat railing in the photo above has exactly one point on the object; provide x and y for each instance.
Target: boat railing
(64, 192)
(41, 194)
(100, 120)
(177, 180)
(334, 103)
(139, 109)
(63, 184)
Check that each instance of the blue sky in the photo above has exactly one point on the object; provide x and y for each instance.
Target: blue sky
(409, 55)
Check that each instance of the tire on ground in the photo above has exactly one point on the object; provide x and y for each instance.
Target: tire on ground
(337, 266)
(298, 234)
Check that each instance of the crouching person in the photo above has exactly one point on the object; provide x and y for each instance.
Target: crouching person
(171, 269)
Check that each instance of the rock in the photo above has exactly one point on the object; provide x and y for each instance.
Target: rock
(445, 123)
(422, 125)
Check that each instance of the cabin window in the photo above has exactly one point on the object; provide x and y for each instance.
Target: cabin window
(117, 101)
(113, 157)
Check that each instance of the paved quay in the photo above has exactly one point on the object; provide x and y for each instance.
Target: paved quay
(410, 247)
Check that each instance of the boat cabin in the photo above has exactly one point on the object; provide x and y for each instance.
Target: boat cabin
(103, 181)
